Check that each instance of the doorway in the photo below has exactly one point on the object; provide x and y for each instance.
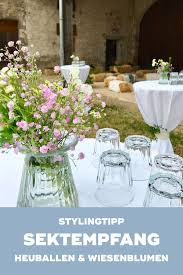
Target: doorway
(8, 32)
(161, 34)
(111, 52)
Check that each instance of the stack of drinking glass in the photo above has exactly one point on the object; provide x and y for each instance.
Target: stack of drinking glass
(119, 170)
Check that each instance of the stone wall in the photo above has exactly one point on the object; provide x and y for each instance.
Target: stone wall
(97, 21)
(42, 17)
(15, 10)
(88, 23)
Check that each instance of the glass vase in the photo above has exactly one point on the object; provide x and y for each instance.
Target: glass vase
(163, 78)
(47, 181)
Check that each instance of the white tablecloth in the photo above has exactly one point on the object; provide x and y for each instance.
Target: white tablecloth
(160, 105)
(83, 72)
(84, 175)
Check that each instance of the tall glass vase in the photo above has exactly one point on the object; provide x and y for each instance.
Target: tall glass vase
(47, 181)
(163, 78)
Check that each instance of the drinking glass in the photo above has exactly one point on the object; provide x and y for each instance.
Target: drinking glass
(181, 78)
(174, 78)
(114, 179)
(139, 149)
(168, 163)
(106, 139)
(164, 190)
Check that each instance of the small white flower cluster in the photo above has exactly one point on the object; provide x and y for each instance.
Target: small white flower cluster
(74, 57)
(162, 66)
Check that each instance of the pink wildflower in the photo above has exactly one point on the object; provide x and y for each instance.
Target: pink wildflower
(22, 125)
(53, 115)
(57, 134)
(76, 120)
(44, 149)
(37, 115)
(103, 104)
(46, 129)
(44, 109)
(68, 119)
(81, 156)
(31, 124)
(6, 145)
(10, 105)
(57, 69)
(64, 92)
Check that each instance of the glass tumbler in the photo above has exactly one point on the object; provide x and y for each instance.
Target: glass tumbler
(168, 164)
(106, 139)
(139, 149)
(114, 179)
(174, 78)
(165, 190)
(181, 78)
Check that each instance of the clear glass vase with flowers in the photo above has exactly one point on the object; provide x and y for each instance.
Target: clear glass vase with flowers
(163, 69)
(44, 121)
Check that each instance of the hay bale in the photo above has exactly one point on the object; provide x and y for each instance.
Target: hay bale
(141, 73)
(125, 87)
(121, 77)
(108, 79)
(151, 76)
(125, 69)
(98, 77)
(114, 86)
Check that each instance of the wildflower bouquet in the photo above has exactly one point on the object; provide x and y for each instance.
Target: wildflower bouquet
(38, 117)
(162, 66)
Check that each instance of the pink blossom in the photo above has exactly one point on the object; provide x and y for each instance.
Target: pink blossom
(38, 126)
(22, 125)
(53, 115)
(57, 69)
(76, 120)
(96, 127)
(103, 104)
(6, 145)
(27, 103)
(62, 111)
(81, 156)
(64, 92)
(10, 105)
(68, 119)
(46, 129)
(31, 124)
(47, 92)
(51, 146)
(16, 150)
(57, 134)
(98, 95)
(37, 115)
(44, 109)
(11, 44)
(44, 149)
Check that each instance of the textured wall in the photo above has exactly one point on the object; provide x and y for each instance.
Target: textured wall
(15, 9)
(41, 19)
(94, 21)
(97, 20)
